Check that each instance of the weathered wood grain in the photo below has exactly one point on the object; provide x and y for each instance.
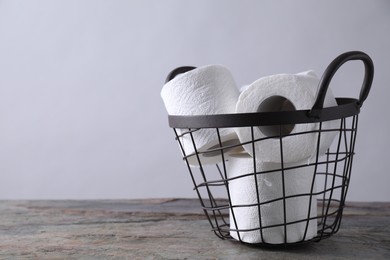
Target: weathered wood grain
(166, 229)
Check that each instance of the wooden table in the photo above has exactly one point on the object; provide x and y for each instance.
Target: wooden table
(166, 229)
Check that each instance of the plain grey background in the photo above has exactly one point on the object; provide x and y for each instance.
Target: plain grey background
(80, 110)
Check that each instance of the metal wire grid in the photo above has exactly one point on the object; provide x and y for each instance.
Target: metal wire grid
(331, 174)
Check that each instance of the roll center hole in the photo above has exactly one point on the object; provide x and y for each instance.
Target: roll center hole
(276, 104)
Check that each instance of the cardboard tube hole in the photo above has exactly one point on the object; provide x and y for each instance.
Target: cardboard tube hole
(276, 104)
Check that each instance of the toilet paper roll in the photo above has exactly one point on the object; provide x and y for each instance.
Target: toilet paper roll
(203, 91)
(284, 92)
(243, 193)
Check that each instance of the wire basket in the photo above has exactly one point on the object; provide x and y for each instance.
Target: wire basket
(286, 217)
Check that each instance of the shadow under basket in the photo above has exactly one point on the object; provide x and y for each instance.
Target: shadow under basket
(276, 212)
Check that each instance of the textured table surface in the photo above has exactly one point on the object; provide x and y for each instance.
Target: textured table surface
(166, 229)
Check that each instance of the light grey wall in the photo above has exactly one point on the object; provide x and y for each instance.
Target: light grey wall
(80, 110)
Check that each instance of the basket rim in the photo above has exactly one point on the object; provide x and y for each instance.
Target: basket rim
(346, 107)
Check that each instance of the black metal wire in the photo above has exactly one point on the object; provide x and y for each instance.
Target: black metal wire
(333, 170)
(330, 171)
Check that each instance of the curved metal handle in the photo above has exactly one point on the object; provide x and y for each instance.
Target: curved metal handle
(178, 71)
(331, 71)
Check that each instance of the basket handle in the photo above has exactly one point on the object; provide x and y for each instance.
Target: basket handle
(331, 71)
(178, 71)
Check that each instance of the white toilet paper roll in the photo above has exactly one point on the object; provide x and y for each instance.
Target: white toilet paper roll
(203, 91)
(270, 187)
(284, 92)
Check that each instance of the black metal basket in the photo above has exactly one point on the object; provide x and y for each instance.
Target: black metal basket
(330, 176)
